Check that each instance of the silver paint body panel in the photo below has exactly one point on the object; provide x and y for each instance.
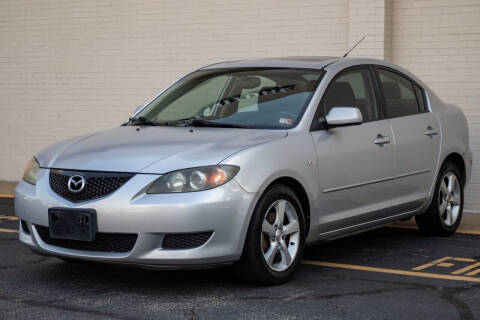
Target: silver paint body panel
(351, 183)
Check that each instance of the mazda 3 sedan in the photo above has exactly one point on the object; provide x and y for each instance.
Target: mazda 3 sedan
(246, 162)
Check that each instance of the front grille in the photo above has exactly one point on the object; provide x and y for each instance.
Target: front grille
(185, 240)
(104, 242)
(97, 184)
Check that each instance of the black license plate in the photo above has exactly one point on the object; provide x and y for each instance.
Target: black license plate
(72, 224)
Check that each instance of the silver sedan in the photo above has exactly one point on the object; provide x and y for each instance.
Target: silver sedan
(246, 162)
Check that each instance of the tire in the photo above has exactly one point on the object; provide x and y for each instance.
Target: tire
(444, 215)
(265, 235)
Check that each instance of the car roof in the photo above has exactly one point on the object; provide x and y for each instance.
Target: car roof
(309, 62)
(280, 62)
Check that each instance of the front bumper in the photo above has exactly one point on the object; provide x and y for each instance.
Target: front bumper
(225, 211)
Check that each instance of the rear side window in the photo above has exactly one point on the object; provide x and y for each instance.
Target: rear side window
(399, 94)
(352, 88)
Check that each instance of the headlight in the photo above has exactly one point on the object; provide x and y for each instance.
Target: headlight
(194, 179)
(31, 170)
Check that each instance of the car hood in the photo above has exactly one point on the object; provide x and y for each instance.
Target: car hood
(154, 150)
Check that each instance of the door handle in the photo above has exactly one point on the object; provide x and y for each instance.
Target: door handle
(431, 131)
(381, 140)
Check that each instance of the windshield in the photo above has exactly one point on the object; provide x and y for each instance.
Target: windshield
(250, 98)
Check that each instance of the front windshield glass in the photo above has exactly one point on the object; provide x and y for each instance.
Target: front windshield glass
(255, 98)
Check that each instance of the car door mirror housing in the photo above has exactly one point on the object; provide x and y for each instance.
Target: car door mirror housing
(343, 116)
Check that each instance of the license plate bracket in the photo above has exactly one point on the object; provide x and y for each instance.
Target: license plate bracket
(72, 224)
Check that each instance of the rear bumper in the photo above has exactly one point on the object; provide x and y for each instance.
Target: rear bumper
(225, 211)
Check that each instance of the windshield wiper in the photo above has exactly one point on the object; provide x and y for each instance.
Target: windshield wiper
(206, 123)
(197, 121)
(184, 121)
(143, 121)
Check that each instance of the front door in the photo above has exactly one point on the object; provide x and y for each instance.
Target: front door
(355, 163)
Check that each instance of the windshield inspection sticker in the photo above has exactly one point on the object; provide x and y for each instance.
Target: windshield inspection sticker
(285, 121)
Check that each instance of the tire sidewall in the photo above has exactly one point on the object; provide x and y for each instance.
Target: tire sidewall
(271, 195)
(446, 168)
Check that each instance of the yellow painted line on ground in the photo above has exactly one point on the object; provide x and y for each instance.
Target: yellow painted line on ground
(2, 195)
(474, 272)
(460, 259)
(475, 232)
(11, 218)
(446, 264)
(8, 230)
(391, 271)
(441, 263)
(431, 264)
(467, 268)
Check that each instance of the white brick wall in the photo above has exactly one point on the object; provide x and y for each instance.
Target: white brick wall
(72, 67)
(370, 18)
(439, 41)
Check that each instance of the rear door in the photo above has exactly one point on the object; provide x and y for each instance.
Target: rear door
(355, 171)
(416, 132)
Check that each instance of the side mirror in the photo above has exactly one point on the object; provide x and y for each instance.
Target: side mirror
(343, 116)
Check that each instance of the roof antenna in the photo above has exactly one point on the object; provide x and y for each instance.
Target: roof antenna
(346, 54)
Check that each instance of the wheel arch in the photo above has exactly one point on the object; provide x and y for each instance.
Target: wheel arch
(459, 161)
(300, 191)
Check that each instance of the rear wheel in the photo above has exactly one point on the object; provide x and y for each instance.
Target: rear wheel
(445, 212)
(275, 239)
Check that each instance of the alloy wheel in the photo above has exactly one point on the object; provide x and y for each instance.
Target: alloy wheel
(280, 235)
(450, 199)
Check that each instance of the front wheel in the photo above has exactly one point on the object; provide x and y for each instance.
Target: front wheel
(445, 212)
(275, 239)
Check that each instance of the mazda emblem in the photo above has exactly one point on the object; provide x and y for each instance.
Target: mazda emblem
(76, 183)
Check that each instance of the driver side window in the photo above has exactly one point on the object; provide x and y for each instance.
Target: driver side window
(352, 88)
